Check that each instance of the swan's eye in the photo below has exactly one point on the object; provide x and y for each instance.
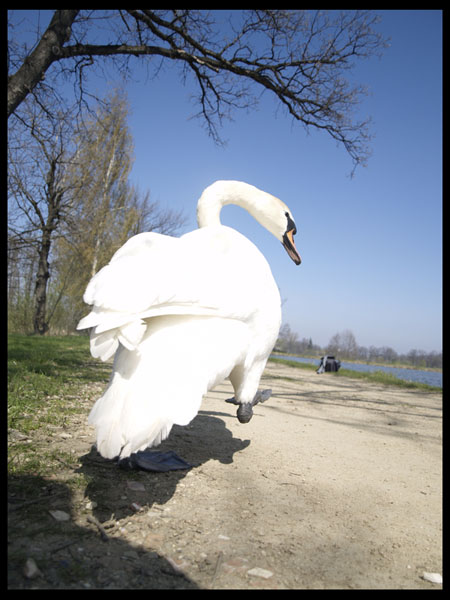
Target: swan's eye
(290, 224)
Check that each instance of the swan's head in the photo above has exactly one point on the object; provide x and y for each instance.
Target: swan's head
(275, 216)
(268, 210)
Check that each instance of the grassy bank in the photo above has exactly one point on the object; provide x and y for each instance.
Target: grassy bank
(47, 379)
(42, 373)
(374, 377)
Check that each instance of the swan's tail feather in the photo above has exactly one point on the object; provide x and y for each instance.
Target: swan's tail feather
(105, 343)
(131, 334)
(124, 425)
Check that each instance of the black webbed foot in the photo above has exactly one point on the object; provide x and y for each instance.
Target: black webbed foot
(232, 401)
(154, 461)
(261, 396)
(245, 410)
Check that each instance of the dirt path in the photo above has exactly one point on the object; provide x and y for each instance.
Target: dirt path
(335, 483)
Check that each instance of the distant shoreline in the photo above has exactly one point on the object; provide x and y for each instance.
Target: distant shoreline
(364, 362)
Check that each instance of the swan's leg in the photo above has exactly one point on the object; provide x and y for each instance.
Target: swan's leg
(246, 390)
(245, 410)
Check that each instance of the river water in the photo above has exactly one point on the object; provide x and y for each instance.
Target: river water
(429, 377)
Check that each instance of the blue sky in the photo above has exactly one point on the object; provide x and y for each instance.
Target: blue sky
(372, 244)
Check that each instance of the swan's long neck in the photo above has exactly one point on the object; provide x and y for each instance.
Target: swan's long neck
(258, 203)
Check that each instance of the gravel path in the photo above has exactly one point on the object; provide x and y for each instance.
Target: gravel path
(335, 483)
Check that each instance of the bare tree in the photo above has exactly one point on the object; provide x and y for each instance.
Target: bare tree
(21, 277)
(105, 209)
(287, 339)
(38, 196)
(334, 345)
(299, 57)
(344, 344)
(70, 207)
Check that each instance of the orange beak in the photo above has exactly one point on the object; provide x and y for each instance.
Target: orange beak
(288, 243)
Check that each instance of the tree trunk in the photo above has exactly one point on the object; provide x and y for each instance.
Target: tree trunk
(54, 197)
(36, 64)
(43, 273)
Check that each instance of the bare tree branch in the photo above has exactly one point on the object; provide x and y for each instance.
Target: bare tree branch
(36, 64)
(299, 57)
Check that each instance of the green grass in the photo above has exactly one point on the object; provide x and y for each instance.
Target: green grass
(47, 379)
(42, 372)
(374, 377)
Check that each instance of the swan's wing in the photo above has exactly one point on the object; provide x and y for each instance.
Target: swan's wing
(132, 281)
(154, 275)
(210, 271)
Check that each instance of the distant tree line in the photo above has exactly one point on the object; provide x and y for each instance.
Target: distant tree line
(343, 345)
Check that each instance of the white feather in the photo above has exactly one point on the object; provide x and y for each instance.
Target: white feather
(182, 314)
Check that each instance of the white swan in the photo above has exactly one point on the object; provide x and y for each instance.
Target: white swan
(181, 315)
